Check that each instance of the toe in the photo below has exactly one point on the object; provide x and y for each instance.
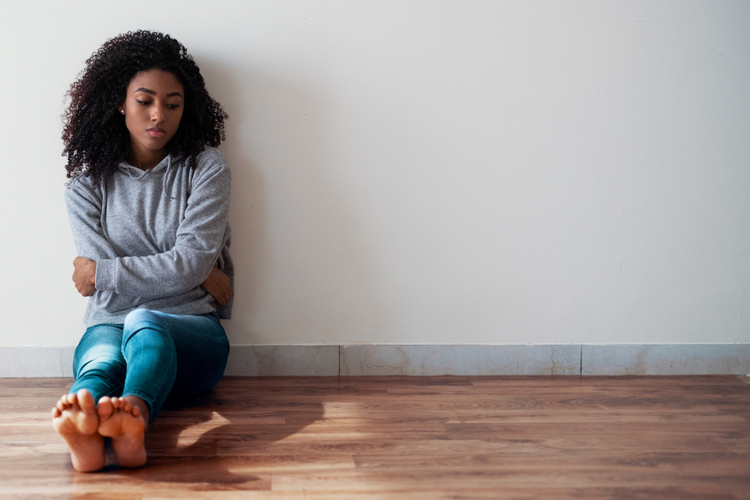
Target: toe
(86, 401)
(105, 408)
(126, 406)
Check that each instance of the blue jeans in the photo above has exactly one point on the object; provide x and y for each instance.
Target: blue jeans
(151, 356)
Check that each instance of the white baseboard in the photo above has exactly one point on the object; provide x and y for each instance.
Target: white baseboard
(416, 360)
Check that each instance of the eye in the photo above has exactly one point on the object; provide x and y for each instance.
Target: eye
(144, 103)
(173, 106)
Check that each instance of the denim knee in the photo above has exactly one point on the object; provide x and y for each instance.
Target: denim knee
(139, 319)
(98, 364)
(88, 357)
(138, 316)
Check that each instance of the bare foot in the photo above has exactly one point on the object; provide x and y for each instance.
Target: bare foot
(76, 420)
(123, 422)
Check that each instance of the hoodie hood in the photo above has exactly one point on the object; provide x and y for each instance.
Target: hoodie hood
(136, 173)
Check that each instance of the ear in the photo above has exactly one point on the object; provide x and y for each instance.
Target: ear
(121, 109)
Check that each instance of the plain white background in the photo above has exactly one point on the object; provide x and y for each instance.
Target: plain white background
(416, 172)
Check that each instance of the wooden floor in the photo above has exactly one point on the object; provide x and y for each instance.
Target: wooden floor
(407, 438)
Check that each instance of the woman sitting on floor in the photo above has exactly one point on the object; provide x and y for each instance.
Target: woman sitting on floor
(148, 203)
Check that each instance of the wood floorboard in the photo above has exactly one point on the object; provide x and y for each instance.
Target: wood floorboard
(407, 438)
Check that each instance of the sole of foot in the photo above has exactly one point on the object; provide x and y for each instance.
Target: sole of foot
(123, 423)
(75, 418)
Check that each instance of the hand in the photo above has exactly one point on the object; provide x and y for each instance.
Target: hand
(84, 276)
(218, 285)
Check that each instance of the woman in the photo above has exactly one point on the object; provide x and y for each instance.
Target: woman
(148, 203)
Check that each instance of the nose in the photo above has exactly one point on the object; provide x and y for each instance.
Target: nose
(157, 114)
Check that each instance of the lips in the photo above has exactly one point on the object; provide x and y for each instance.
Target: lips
(157, 132)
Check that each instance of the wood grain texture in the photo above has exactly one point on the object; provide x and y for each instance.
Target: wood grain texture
(407, 438)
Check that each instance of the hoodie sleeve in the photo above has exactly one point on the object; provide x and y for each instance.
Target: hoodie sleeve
(199, 241)
(84, 204)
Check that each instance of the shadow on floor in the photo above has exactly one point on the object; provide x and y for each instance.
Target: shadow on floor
(207, 440)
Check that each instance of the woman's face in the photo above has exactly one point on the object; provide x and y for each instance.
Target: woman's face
(153, 107)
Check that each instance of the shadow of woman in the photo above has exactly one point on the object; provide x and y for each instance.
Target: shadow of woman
(203, 443)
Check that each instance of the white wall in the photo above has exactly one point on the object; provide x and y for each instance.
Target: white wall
(501, 172)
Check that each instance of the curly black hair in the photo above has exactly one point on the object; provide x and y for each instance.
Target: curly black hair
(95, 137)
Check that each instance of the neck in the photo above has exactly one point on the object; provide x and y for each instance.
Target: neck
(145, 160)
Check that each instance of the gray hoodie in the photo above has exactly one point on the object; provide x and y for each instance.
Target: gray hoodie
(155, 236)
